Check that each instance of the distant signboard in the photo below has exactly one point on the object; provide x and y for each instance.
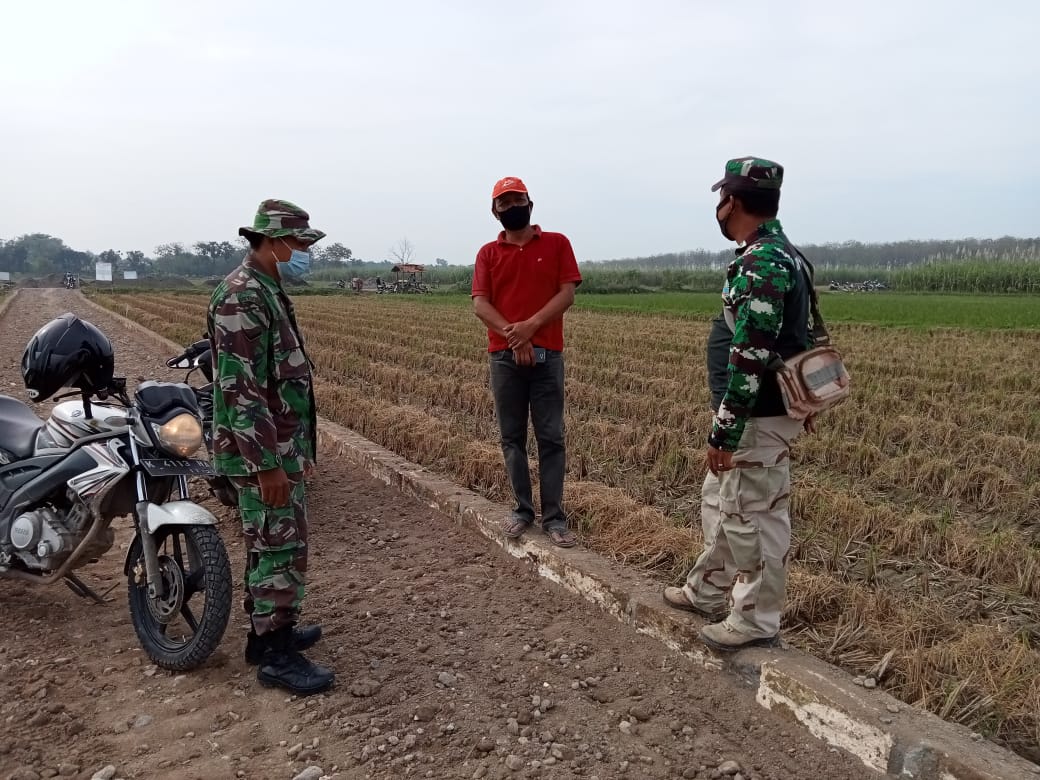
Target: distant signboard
(103, 272)
(129, 274)
(5, 276)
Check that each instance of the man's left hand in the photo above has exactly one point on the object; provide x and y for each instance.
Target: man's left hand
(719, 460)
(519, 332)
(524, 354)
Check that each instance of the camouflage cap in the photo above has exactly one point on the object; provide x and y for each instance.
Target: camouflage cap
(279, 218)
(751, 173)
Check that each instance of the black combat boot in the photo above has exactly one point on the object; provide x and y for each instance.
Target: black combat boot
(302, 638)
(284, 667)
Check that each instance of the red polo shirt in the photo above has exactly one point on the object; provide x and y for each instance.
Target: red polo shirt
(520, 280)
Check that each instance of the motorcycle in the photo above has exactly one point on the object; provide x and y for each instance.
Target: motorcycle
(199, 357)
(65, 479)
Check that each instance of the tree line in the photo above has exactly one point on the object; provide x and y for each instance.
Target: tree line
(994, 265)
(889, 255)
(39, 254)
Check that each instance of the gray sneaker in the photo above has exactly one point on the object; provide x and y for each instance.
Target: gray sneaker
(725, 638)
(676, 598)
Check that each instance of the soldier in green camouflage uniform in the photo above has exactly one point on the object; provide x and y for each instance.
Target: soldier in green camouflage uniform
(264, 437)
(738, 581)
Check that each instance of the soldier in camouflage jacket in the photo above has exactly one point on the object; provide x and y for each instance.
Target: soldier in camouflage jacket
(739, 579)
(264, 437)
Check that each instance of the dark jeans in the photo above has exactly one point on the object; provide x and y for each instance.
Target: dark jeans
(538, 389)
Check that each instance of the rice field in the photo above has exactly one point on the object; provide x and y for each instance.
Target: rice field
(915, 506)
(901, 309)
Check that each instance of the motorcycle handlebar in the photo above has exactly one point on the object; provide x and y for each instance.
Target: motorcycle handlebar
(190, 353)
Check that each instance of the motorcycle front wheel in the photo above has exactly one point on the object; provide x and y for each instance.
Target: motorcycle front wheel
(182, 628)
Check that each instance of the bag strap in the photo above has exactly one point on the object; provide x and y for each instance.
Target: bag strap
(821, 336)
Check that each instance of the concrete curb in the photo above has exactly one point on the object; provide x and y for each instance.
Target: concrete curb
(884, 733)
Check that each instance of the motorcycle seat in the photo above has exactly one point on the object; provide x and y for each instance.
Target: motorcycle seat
(19, 426)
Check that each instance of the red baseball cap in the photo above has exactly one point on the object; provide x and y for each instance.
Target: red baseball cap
(508, 184)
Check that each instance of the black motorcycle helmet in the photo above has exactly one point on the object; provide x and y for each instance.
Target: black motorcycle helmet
(67, 352)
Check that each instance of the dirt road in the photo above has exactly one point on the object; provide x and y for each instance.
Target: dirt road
(453, 661)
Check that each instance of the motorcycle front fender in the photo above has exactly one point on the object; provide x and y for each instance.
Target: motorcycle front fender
(153, 516)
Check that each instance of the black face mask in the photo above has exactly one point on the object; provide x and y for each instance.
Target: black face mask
(516, 217)
(722, 222)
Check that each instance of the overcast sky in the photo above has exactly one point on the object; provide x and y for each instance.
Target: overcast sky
(129, 124)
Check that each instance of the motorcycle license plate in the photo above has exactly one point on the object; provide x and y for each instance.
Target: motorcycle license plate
(175, 467)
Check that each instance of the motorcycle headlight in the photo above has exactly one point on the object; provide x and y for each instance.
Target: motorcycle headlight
(181, 436)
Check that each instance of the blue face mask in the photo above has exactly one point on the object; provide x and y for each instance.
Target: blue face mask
(297, 266)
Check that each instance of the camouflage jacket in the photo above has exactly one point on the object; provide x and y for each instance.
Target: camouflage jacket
(263, 395)
(757, 283)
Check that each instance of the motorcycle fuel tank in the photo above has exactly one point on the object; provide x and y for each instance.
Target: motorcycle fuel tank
(68, 423)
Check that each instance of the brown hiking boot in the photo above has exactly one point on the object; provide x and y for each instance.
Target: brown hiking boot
(676, 597)
(723, 637)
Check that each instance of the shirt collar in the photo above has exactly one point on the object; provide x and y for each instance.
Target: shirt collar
(253, 267)
(771, 228)
(502, 235)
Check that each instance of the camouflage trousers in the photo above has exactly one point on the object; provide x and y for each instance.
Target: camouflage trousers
(747, 531)
(276, 554)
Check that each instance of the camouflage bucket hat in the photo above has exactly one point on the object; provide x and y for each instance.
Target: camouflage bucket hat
(280, 218)
(751, 173)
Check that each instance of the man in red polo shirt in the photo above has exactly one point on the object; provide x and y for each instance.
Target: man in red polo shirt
(522, 284)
